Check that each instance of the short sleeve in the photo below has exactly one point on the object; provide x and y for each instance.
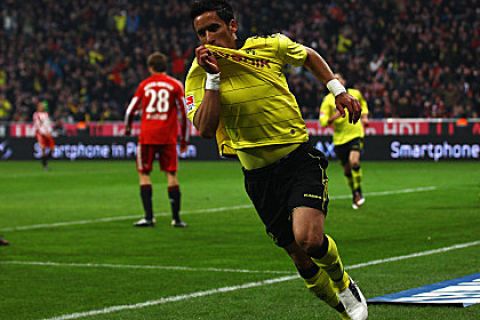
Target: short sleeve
(293, 53)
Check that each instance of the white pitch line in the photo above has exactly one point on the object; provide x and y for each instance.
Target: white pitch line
(209, 210)
(171, 299)
(415, 255)
(387, 193)
(145, 267)
(197, 294)
(120, 218)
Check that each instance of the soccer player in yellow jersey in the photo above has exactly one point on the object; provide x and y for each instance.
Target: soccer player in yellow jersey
(236, 91)
(348, 139)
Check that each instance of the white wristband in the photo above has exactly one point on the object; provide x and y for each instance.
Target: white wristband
(335, 87)
(213, 81)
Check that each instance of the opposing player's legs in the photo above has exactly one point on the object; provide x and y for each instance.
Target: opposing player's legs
(43, 143)
(174, 195)
(308, 229)
(145, 156)
(169, 163)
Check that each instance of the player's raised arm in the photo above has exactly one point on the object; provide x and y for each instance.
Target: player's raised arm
(317, 65)
(208, 114)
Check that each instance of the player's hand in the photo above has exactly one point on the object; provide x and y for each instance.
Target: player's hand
(183, 146)
(345, 101)
(334, 117)
(128, 131)
(365, 122)
(206, 60)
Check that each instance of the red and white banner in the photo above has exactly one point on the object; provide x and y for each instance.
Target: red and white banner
(387, 127)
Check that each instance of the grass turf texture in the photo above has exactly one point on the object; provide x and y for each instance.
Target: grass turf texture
(387, 226)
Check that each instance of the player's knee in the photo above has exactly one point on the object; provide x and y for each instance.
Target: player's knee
(311, 243)
(355, 164)
(144, 172)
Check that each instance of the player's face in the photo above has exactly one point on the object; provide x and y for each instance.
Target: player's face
(211, 29)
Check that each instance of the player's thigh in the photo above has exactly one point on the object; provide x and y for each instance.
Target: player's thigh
(310, 182)
(41, 140)
(50, 142)
(354, 157)
(145, 156)
(308, 225)
(342, 151)
(355, 150)
(168, 158)
(268, 192)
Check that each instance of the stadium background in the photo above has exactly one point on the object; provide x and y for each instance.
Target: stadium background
(73, 252)
(410, 59)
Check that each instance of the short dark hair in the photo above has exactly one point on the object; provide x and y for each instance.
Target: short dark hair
(223, 9)
(157, 61)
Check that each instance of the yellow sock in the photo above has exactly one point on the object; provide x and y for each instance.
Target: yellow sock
(321, 286)
(333, 265)
(356, 177)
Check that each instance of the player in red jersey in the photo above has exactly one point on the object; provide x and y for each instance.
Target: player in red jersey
(161, 99)
(43, 133)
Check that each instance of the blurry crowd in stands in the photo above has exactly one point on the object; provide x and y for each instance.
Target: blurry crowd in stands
(84, 58)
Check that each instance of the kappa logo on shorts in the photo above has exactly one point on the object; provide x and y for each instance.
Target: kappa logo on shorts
(309, 195)
(190, 102)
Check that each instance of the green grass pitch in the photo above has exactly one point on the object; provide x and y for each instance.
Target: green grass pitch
(74, 251)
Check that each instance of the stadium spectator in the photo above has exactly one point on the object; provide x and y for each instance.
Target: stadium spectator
(348, 140)
(49, 49)
(161, 99)
(260, 122)
(43, 132)
(5, 108)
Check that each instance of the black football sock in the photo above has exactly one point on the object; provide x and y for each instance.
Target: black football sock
(174, 196)
(146, 195)
(44, 160)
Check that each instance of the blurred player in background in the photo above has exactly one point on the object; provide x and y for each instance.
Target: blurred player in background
(348, 139)
(43, 133)
(3, 242)
(236, 91)
(161, 100)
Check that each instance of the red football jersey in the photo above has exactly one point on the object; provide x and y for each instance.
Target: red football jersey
(161, 99)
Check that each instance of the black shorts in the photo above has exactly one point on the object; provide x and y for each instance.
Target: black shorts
(343, 151)
(297, 180)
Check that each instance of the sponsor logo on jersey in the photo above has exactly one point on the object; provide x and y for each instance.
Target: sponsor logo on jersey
(256, 62)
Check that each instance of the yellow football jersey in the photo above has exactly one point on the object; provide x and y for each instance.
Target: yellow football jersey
(343, 131)
(257, 107)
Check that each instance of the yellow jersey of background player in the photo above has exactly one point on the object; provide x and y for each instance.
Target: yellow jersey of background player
(258, 109)
(348, 139)
(343, 130)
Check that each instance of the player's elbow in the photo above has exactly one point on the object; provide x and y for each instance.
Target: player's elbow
(207, 134)
(206, 129)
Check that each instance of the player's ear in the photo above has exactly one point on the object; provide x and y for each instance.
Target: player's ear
(233, 26)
